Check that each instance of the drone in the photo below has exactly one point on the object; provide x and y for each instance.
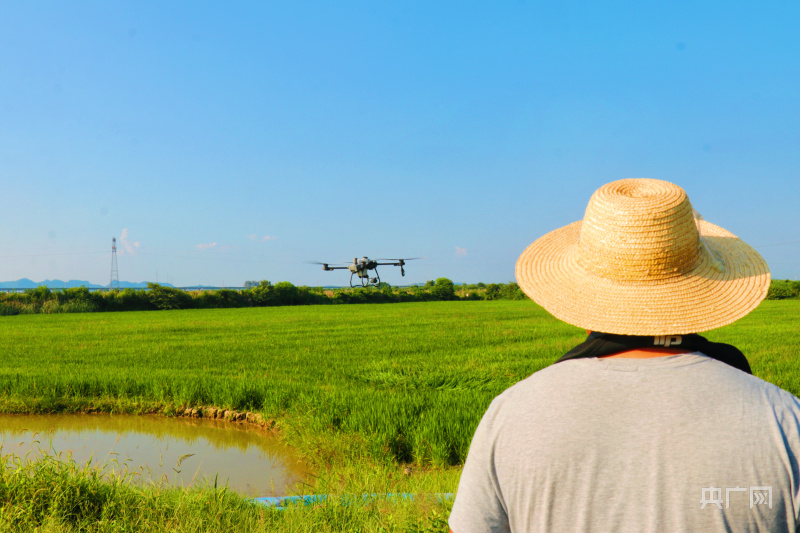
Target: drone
(361, 268)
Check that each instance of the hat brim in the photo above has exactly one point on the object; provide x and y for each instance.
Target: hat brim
(729, 281)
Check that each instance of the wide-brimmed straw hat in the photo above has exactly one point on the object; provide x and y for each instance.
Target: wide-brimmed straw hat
(641, 262)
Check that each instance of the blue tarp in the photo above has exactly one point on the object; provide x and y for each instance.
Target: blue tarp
(279, 502)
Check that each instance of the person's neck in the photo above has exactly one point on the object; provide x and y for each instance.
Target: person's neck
(645, 353)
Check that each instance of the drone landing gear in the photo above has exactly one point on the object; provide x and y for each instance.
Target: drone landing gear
(365, 280)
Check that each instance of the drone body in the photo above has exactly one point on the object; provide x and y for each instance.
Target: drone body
(361, 268)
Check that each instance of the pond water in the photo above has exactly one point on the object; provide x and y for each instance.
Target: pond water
(177, 451)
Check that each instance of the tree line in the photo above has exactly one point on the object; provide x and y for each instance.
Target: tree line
(265, 294)
(783, 289)
(255, 294)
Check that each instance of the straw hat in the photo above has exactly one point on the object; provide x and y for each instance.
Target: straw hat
(640, 263)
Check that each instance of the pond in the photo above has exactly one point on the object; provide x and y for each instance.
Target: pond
(177, 451)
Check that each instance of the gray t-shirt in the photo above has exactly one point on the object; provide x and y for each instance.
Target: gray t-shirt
(678, 443)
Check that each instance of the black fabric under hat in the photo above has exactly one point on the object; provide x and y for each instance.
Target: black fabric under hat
(602, 344)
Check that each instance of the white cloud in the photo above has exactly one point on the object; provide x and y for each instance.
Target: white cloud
(265, 238)
(206, 246)
(127, 246)
(461, 251)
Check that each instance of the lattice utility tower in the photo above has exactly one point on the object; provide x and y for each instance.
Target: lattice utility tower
(114, 283)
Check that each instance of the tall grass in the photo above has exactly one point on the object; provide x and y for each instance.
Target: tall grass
(377, 398)
(48, 491)
(51, 492)
(412, 379)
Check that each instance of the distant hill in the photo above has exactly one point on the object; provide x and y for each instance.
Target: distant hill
(25, 283)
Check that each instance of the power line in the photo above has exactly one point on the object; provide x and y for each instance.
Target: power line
(776, 244)
(50, 254)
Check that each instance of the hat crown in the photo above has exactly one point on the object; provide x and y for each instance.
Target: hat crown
(638, 229)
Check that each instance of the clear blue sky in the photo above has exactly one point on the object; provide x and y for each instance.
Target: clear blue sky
(229, 141)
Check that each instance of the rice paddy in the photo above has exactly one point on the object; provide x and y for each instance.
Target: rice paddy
(376, 398)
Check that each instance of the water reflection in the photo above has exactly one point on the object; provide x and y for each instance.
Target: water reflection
(249, 460)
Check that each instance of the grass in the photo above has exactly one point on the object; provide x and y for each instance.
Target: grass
(52, 493)
(377, 398)
(413, 377)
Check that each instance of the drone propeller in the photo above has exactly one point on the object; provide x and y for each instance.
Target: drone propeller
(392, 259)
(327, 266)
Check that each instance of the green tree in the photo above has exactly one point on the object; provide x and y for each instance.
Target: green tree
(443, 289)
(493, 291)
(262, 294)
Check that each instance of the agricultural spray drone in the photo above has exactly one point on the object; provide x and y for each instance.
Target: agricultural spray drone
(361, 268)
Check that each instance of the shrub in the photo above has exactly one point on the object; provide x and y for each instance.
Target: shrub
(8, 309)
(511, 291)
(309, 296)
(127, 300)
(74, 294)
(168, 297)
(219, 299)
(285, 293)
(783, 289)
(39, 294)
(73, 306)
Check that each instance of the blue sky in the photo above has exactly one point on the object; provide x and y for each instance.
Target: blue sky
(225, 142)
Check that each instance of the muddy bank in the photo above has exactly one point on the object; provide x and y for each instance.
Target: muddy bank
(228, 415)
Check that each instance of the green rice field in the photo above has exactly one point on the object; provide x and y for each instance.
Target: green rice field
(376, 398)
